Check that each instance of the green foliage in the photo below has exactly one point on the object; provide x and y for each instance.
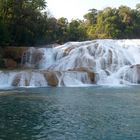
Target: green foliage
(62, 31)
(23, 18)
(91, 17)
(4, 36)
(75, 31)
(123, 22)
(22, 22)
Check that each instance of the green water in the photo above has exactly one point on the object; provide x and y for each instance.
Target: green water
(88, 113)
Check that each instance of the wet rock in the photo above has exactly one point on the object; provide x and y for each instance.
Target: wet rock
(16, 80)
(135, 66)
(68, 50)
(51, 78)
(31, 58)
(10, 63)
(14, 53)
(89, 71)
(84, 62)
(36, 57)
(136, 73)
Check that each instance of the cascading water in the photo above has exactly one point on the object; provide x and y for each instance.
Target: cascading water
(102, 62)
(111, 60)
(48, 58)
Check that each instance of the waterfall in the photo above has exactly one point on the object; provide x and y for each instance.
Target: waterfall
(101, 62)
(31, 58)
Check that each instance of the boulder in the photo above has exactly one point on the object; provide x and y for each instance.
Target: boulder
(10, 63)
(51, 78)
(14, 53)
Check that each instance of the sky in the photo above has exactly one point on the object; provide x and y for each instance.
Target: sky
(75, 9)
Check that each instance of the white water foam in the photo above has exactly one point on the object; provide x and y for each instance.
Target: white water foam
(110, 59)
(115, 62)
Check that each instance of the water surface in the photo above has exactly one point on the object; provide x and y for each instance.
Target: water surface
(84, 113)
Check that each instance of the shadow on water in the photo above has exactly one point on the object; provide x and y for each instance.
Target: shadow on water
(88, 113)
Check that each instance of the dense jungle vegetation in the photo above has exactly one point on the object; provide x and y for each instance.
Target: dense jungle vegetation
(24, 22)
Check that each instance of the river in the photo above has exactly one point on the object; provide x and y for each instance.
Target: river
(64, 113)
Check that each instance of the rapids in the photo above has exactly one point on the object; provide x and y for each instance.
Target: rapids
(101, 62)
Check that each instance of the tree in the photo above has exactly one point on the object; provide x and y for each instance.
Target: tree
(4, 36)
(91, 16)
(75, 31)
(62, 30)
(22, 18)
